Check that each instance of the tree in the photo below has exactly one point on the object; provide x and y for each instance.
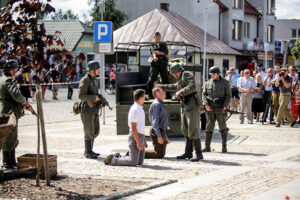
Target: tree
(59, 15)
(110, 14)
(20, 30)
(295, 50)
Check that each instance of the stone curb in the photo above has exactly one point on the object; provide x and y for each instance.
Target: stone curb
(126, 193)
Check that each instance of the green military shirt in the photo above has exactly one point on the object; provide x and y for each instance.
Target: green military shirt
(186, 85)
(88, 90)
(216, 93)
(11, 98)
(161, 47)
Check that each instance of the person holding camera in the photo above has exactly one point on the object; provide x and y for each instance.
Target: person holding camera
(275, 91)
(258, 95)
(267, 83)
(285, 84)
(233, 79)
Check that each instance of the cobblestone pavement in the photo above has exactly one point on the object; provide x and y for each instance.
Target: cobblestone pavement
(260, 158)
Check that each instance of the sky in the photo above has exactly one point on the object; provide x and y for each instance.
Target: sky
(285, 9)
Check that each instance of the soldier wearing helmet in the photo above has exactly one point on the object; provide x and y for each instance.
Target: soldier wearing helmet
(190, 102)
(88, 94)
(216, 94)
(11, 101)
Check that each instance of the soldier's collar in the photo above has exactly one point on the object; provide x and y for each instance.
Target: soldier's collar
(92, 77)
(7, 74)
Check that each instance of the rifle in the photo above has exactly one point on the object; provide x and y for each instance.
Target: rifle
(100, 104)
(220, 110)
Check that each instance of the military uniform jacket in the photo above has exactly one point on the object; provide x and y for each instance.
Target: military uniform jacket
(88, 90)
(216, 93)
(11, 98)
(161, 47)
(186, 85)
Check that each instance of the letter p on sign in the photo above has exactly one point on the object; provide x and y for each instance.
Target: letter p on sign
(103, 32)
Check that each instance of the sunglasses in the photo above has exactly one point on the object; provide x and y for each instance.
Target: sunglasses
(247, 73)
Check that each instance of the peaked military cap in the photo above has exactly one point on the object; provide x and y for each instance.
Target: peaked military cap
(12, 64)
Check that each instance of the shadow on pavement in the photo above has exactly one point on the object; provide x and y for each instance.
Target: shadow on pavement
(218, 162)
(246, 154)
(158, 167)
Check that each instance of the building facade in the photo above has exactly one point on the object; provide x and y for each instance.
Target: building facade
(286, 32)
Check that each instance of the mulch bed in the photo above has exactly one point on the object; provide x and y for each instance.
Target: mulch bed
(67, 187)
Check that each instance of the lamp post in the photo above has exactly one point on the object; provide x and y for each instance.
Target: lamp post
(204, 48)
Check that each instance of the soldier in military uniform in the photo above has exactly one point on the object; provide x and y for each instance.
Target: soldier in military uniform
(159, 64)
(190, 103)
(89, 96)
(11, 101)
(216, 94)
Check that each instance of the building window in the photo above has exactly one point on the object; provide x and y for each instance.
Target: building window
(270, 7)
(225, 66)
(238, 4)
(211, 62)
(270, 34)
(294, 33)
(298, 33)
(237, 30)
(247, 30)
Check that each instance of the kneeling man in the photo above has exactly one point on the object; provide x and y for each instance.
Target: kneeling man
(159, 121)
(136, 140)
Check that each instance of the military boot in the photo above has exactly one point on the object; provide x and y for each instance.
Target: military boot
(208, 138)
(198, 155)
(13, 158)
(88, 150)
(6, 160)
(95, 154)
(188, 153)
(224, 142)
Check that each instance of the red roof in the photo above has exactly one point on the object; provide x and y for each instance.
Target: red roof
(249, 9)
(222, 7)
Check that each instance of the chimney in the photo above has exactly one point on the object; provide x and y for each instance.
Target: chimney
(164, 6)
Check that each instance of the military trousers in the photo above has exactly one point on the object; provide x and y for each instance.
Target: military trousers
(159, 149)
(154, 71)
(212, 117)
(190, 123)
(91, 125)
(135, 157)
(284, 100)
(11, 141)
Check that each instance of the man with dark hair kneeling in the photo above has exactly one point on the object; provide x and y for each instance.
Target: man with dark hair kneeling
(159, 121)
(136, 141)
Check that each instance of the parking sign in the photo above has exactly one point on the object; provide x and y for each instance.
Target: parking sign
(103, 32)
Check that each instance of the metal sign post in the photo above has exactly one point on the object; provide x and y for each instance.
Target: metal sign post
(103, 44)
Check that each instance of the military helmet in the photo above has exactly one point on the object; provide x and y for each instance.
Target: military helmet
(12, 64)
(93, 65)
(176, 67)
(214, 70)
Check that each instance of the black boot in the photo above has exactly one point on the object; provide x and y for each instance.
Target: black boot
(95, 154)
(6, 160)
(88, 150)
(198, 155)
(13, 158)
(224, 142)
(188, 153)
(208, 137)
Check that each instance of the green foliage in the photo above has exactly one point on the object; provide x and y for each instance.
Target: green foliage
(60, 15)
(110, 14)
(295, 51)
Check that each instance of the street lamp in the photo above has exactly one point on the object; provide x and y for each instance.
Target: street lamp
(204, 49)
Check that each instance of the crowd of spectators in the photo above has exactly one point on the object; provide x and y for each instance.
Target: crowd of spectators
(259, 94)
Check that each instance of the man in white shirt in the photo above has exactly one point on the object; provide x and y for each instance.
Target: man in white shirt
(136, 141)
(260, 69)
(246, 87)
(267, 83)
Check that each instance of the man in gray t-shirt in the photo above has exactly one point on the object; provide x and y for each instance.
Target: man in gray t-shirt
(285, 84)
